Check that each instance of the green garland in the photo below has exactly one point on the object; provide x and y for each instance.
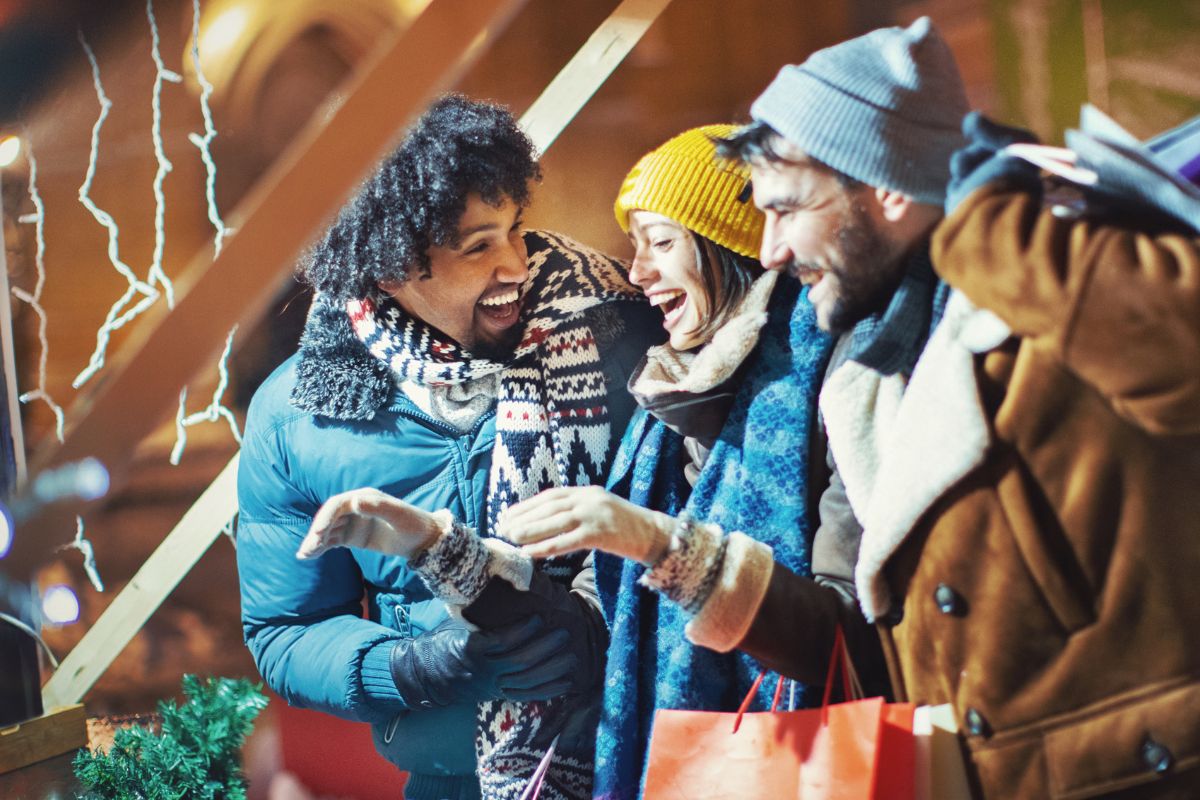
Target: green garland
(196, 755)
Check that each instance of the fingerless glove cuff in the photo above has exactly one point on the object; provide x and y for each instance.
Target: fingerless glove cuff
(459, 564)
(688, 569)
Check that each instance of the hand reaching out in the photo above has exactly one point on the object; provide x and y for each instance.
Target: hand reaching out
(372, 520)
(566, 519)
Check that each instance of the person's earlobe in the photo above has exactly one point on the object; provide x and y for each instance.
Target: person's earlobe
(893, 205)
(389, 286)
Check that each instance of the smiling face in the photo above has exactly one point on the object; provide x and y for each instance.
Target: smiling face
(473, 292)
(828, 236)
(666, 268)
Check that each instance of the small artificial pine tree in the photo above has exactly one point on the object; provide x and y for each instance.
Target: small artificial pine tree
(194, 757)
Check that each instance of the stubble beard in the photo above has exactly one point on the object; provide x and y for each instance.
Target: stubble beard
(867, 270)
(502, 347)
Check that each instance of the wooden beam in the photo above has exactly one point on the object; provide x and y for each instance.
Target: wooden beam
(144, 593)
(588, 69)
(59, 730)
(286, 209)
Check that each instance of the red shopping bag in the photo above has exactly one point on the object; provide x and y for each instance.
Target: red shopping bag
(895, 767)
(856, 750)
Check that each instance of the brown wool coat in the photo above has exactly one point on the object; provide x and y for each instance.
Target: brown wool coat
(1046, 577)
(1053, 593)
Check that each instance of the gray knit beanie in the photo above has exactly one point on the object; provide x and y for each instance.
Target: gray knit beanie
(885, 108)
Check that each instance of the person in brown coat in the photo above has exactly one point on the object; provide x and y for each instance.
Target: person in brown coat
(1030, 493)
(1047, 579)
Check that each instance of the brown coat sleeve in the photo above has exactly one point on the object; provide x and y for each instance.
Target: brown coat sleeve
(1118, 305)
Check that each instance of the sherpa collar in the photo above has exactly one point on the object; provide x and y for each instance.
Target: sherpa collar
(899, 448)
(666, 369)
(691, 392)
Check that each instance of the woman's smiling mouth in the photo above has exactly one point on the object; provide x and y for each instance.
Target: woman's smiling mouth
(671, 302)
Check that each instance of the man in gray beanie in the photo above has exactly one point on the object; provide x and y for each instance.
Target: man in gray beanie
(1024, 471)
(849, 154)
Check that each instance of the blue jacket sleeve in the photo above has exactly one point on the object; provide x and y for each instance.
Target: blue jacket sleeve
(302, 620)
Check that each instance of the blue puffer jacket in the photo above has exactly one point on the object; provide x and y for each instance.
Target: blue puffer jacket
(328, 420)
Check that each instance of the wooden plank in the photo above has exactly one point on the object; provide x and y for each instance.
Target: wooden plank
(130, 609)
(55, 732)
(286, 209)
(588, 69)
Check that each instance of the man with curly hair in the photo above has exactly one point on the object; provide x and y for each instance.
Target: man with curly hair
(453, 363)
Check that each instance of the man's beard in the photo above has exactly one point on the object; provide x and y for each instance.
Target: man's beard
(502, 348)
(866, 268)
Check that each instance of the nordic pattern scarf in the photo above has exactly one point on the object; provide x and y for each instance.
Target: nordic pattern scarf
(552, 429)
(755, 481)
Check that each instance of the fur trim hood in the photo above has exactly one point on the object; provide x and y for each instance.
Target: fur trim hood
(336, 376)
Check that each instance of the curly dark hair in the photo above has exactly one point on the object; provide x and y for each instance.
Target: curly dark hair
(417, 196)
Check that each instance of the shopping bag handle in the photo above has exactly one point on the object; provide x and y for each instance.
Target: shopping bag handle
(737, 720)
(851, 685)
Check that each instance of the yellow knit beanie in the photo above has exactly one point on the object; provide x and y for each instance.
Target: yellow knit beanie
(685, 180)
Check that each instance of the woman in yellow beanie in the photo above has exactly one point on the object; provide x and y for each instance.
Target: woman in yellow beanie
(720, 444)
(695, 233)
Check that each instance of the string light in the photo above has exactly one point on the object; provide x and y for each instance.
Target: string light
(84, 546)
(156, 275)
(115, 319)
(6, 530)
(35, 300)
(10, 148)
(60, 606)
(210, 133)
(118, 315)
(213, 412)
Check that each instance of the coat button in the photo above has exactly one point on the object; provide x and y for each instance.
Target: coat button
(1156, 756)
(976, 724)
(949, 601)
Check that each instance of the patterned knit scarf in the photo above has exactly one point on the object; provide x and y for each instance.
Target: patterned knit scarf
(755, 481)
(552, 429)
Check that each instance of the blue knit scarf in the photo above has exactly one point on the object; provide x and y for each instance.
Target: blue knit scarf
(755, 481)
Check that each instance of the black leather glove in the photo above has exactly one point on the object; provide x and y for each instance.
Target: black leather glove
(983, 160)
(563, 610)
(452, 664)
